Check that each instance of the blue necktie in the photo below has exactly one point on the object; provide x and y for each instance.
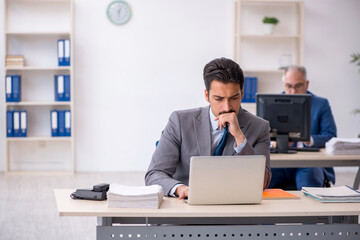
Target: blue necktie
(220, 147)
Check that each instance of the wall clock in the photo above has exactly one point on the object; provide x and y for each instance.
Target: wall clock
(119, 12)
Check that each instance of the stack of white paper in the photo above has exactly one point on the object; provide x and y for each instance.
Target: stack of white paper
(334, 194)
(343, 146)
(120, 196)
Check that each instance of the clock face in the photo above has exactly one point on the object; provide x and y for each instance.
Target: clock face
(119, 12)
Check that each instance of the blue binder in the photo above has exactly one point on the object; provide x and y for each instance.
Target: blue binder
(9, 123)
(59, 87)
(247, 90)
(67, 123)
(67, 88)
(61, 123)
(67, 52)
(8, 88)
(16, 88)
(253, 89)
(16, 123)
(23, 123)
(60, 52)
(54, 123)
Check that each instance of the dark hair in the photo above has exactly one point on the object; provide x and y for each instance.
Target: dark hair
(223, 70)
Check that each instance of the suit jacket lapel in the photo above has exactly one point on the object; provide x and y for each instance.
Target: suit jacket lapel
(202, 132)
(243, 120)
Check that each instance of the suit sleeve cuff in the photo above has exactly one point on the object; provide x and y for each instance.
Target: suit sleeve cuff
(172, 191)
(311, 142)
(239, 148)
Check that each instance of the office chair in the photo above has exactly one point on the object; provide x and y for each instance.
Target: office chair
(291, 186)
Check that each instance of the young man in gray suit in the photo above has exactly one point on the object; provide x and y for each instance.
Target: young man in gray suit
(201, 131)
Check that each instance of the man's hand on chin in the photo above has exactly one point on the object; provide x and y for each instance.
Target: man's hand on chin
(182, 191)
(230, 118)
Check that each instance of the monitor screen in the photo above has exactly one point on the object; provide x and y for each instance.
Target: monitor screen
(289, 116)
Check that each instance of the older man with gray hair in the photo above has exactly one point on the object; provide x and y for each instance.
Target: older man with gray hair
(323, 128)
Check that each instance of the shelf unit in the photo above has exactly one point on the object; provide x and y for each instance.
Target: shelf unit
(32, 28)
(260, 55)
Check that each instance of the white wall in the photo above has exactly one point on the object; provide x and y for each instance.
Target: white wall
(331, 36)
(128, 79)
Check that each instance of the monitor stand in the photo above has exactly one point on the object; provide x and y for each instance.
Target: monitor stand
(282, 144)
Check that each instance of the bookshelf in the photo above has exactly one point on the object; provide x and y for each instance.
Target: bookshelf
(31, 29)
(261, 55)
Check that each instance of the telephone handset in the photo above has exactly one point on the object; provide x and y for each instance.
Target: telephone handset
(101, 187)
(98, 192)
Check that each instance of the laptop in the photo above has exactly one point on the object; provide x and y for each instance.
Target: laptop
(226, 179)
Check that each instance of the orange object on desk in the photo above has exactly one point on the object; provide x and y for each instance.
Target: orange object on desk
(277, 193)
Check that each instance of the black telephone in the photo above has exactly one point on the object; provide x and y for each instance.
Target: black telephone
(98, 192)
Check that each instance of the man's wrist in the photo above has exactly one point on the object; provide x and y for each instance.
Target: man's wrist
(311, 143)
(240, 139)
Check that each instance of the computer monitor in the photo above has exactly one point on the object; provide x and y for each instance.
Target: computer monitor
(289, 116)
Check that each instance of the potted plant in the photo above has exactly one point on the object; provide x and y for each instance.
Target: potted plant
(356, 59)
(269, 24)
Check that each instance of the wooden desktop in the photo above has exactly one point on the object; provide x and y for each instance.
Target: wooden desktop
(175, 219)
(316, 159)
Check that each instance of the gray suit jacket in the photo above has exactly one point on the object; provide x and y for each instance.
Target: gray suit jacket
(188, 133)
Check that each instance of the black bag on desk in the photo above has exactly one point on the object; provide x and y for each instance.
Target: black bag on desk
(98, 192)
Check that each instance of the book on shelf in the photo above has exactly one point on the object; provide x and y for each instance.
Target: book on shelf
(14, 61)
(121, 196)
(333, 194)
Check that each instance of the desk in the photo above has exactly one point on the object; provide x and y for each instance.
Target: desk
(316, 159)
(337, 220)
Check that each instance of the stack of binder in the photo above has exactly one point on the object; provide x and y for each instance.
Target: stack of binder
(250, 89)
(62, 87)
(120, 196)
(16, 123)
(13, 88)
(60, 122)
(63, 50)
(14, 61)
